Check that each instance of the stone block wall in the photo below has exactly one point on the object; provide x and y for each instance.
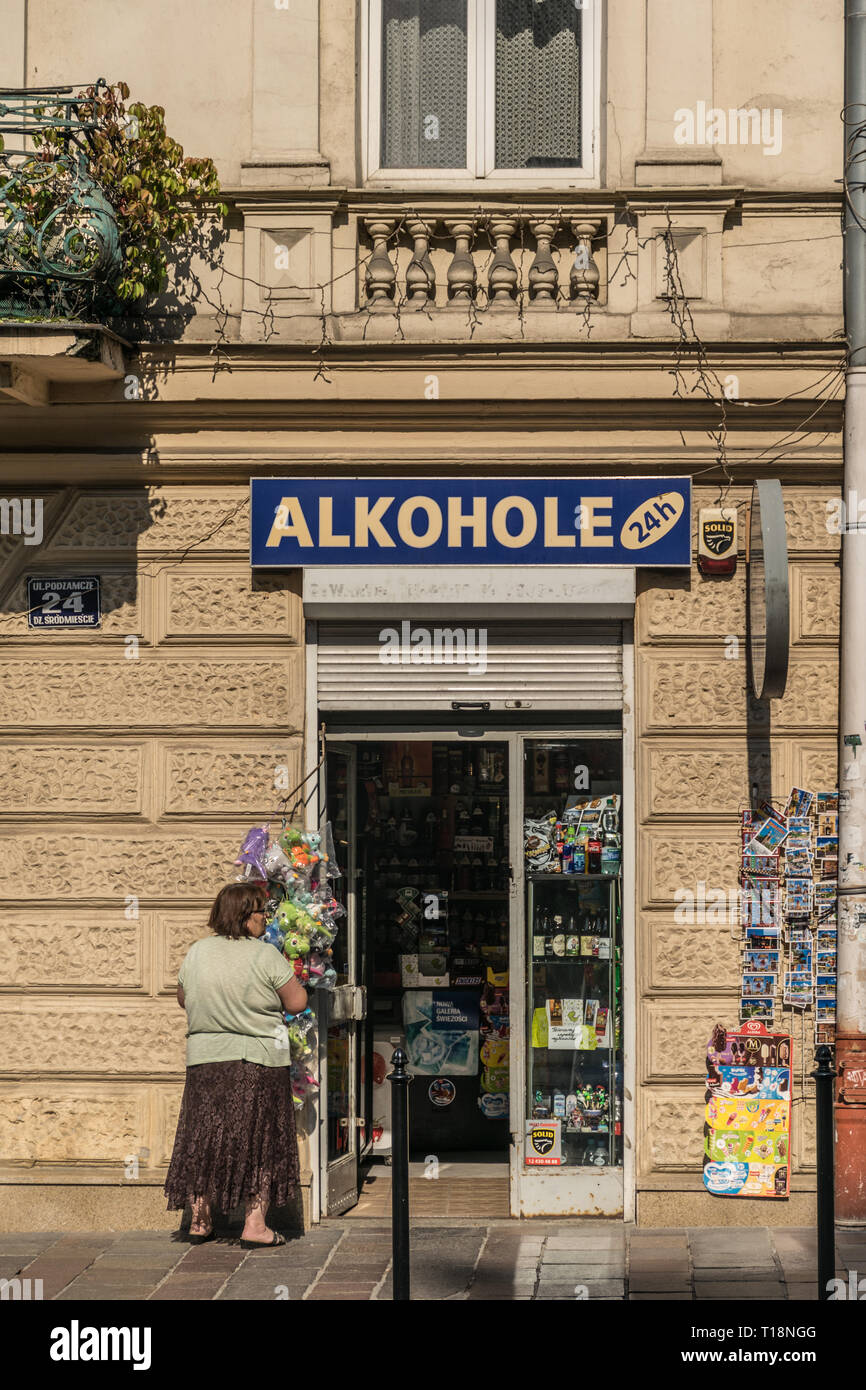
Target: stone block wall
(702, 745)
(132, 761)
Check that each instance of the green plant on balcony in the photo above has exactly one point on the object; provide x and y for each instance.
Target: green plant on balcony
(92, 206)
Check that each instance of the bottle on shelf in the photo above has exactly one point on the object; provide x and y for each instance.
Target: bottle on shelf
(539, 935)
(407, 768)
(593, 855)
(455, 767)
(611, 854)
(440, 769)
(557, 939)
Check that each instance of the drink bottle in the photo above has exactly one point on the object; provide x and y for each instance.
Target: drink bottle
(538, 946)
(610, 854)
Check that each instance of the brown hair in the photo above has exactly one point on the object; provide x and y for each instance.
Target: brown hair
(234, 905)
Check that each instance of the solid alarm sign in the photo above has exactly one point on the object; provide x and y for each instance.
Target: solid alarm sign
(471, 521)
(717, 540)
(53, 602)
(543, 1143)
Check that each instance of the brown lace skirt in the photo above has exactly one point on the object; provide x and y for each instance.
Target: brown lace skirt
(235, 1137)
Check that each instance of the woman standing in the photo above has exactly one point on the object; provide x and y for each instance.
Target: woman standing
(236, 1139)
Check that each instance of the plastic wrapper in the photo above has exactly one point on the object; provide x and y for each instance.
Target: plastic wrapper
(252, 852)
(539, 842)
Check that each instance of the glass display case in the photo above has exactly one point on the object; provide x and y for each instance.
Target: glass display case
(574, 1046)
(572, 866)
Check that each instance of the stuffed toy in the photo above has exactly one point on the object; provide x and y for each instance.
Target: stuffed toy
(290, 918)
(273, 935)
(277, 866)
(252, 852)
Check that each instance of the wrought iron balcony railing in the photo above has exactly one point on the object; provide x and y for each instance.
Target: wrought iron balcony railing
(59, 239)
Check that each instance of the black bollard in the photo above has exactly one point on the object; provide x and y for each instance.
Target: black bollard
(399, 1079)
(824, 1076)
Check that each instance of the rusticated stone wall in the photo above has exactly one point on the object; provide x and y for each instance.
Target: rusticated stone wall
(702, 743)
(132, 761)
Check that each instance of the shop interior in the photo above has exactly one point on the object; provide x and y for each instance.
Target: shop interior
(430, 867)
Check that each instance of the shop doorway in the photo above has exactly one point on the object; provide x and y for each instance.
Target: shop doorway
(476, 957)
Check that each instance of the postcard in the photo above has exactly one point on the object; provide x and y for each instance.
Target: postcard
(798, 862)
(758, 984)
(825, 986)
(800, 827)
(825, 1011)
(767, 838)
(799, 802)
(761, 865)
(759, 905)
(763, 938)
(756, 1009)
(761, 962)
(828, 823)
(798, 897)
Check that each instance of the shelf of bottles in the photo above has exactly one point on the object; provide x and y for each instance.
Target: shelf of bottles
(433, 820)
(574, 947)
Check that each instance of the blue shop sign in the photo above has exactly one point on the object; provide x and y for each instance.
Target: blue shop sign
(470, 521)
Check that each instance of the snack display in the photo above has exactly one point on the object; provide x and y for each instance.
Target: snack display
(747, 1129)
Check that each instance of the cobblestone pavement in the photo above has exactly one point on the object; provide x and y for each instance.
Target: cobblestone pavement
(500, 1261)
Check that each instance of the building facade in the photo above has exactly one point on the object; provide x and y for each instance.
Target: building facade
(512, 241)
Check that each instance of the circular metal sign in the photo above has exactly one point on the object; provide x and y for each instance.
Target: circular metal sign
(769, 605)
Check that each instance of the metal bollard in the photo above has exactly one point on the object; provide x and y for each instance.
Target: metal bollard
(824, 1076)
(399, 1079)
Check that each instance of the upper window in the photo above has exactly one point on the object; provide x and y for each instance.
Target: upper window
(481, 89)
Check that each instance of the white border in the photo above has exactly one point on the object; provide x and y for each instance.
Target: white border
(480, 126)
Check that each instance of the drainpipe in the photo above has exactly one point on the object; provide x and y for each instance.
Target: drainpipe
(850, 1108)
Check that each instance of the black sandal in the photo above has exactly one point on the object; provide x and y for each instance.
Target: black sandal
(263, 1244)
(200, 1240)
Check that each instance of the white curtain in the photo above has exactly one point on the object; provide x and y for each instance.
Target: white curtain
(537, 84)
(424, 84)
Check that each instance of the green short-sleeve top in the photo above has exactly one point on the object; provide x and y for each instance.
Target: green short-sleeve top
(232, 1007)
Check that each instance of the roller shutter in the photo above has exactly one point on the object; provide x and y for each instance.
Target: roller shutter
(558, 666)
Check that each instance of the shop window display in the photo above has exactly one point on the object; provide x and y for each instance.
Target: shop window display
(573, 853)
(433, 849)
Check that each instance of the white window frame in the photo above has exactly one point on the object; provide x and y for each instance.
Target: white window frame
(480, 113)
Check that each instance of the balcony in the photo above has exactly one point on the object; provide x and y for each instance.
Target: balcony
(59, 250)
(374, 268)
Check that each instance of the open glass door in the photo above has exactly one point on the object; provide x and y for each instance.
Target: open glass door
(566, 1117)
(341, 1012)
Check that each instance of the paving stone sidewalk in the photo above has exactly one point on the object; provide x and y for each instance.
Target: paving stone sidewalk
(499, 1261)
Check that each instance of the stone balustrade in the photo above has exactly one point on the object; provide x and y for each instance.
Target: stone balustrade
(501, 260)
